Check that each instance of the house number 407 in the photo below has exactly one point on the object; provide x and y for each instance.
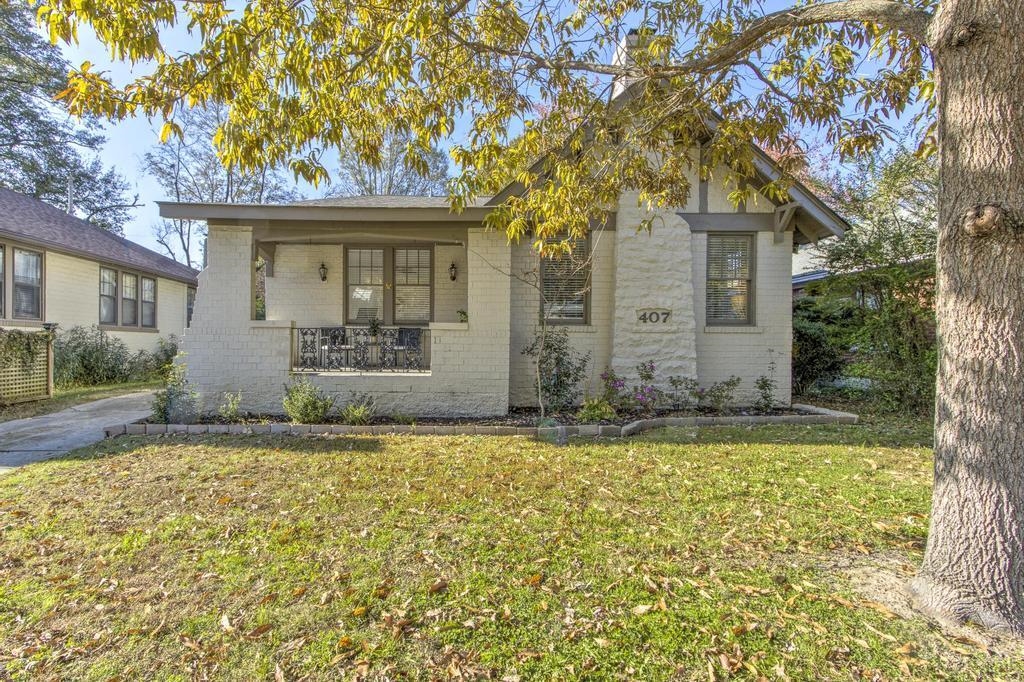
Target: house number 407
(653, 316)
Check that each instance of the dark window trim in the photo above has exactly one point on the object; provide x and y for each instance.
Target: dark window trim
(568, 322)
(751, 320)
(389, 284)
(8, 305)
(118, 324)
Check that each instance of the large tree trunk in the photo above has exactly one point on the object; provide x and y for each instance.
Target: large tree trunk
(973, 567)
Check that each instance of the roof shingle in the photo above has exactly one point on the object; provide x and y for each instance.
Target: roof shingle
(34, 221)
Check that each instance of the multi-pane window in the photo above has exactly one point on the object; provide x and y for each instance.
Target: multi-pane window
(129, 299)
(412, 285)
(365, 285)
(565, 284)
(28, 284)
(730, 279)
(108, 296)
(148, 302)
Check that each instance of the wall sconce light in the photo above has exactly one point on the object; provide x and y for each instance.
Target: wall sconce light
(453, 271)
(323, 272)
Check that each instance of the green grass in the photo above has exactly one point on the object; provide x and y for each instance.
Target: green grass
(64, 398)
(684, 555)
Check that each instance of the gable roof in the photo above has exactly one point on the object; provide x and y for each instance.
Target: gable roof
(818, 219)
(28, 219)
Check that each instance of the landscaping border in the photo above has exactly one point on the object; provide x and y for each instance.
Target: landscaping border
(813, 415)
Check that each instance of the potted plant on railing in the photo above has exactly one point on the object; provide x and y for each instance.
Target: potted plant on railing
(374, 329)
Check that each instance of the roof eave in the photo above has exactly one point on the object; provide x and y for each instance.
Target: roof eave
(299, 213)
(57, 247)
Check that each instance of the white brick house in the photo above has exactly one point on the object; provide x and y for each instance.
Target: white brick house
(706, 295)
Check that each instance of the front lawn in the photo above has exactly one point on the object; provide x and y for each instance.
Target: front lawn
(687, 554)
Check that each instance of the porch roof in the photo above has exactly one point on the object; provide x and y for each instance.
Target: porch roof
(393, 209)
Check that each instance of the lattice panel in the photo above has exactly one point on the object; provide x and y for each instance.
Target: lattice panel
(21, 382)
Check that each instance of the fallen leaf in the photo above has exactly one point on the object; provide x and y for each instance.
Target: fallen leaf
(260, 631)
(642, 609)
(439, 586)
(225, 624)
(359, 611)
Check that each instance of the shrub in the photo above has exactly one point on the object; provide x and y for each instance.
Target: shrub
(228, 408)
(645, 395)
(359, 411)
(815, 355)
(85, 356)
(177, 402)
(765, 385)
(305, 403)
(614, 387)
(560, 369)
(596, 410)
(684, 392)
(719, 397)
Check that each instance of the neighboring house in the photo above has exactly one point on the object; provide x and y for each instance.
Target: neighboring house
(802, 280)
(706, 294)
(56, 268)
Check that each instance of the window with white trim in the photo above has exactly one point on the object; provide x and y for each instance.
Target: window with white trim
(730, 279)
(565, 285)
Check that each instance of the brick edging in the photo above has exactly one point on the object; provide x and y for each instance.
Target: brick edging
(815, 415)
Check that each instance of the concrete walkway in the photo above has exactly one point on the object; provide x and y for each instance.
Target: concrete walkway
(24, 441)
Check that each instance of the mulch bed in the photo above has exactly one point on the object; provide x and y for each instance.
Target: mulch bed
(517, 416)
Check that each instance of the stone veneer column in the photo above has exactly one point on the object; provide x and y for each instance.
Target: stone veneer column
(653, 272)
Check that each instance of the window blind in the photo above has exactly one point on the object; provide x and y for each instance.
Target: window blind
(28, 283)
(412, 285)
(565, 282)
(729, 279)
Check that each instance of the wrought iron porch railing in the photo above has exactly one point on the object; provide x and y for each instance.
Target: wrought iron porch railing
(354, 349)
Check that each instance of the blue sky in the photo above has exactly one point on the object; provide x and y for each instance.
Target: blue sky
(129, 140)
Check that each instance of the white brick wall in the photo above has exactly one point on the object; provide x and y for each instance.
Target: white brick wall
(295, 292)
(226, 351)
(595, 338)
(72, 295)
(744, 351)
(449, 296)
(477, 368)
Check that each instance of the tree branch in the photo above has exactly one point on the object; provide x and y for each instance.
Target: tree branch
(889, 13)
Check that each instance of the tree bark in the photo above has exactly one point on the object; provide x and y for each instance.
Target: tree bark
(973, 568)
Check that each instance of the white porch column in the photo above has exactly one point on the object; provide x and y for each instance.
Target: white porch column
(653, 277)
(470, 367)
(225, 350)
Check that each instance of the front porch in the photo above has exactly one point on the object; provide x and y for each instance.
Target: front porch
(359, 302)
